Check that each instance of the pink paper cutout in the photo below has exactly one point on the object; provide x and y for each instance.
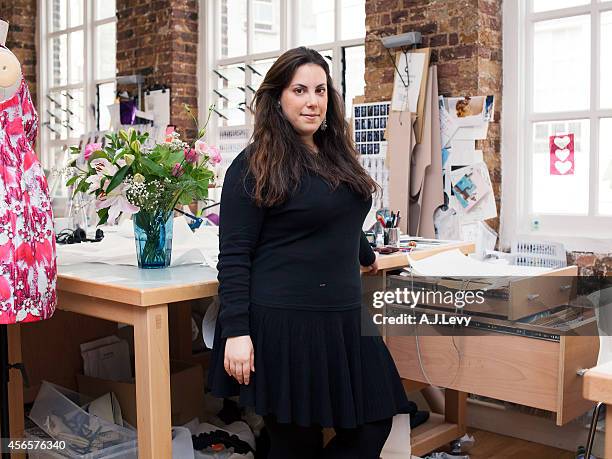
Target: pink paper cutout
(561, 154)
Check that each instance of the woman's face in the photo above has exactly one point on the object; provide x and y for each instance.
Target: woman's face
(304, 101)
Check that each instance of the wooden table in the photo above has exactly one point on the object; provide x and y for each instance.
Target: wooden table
(598, 388)
(142, 298)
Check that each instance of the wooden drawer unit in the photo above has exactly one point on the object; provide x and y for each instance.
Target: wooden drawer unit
(532, 372)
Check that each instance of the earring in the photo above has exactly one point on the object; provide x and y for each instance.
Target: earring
(323, 124)
(278, 105)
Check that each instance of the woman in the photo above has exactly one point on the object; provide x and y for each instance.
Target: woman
(288, 336)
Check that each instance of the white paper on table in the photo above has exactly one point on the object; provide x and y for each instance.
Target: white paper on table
(482, 235)
(448, 126)
(455, 263)
(119, 248)
(407, 98)
(485, 208)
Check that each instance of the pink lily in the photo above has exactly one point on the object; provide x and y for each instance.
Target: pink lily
(103, 166)
(116, 202)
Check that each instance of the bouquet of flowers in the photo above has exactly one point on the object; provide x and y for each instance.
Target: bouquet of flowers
(126, 177)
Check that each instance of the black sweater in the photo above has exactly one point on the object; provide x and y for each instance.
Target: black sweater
(302, 254)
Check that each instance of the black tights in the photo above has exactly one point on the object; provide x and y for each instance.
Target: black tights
(290, 441)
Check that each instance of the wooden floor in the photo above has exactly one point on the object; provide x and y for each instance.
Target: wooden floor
(494, 446)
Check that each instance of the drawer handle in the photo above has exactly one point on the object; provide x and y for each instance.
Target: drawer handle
(533, 296)
(565, 287)
(582, 371)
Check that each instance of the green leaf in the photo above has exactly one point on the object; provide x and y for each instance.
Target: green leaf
(103, 215)
(72, 180)
(153, 167)
(117, 179)
(83, 186)
(98, 154)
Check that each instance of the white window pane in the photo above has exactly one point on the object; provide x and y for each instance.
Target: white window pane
(328, 55)
(104, 56)
(58, 15)
(59, 60)
(561, 64)
(233, 27)
(75, 115)
(605, 167)
(547, 5)
(75, 10)
(560, 194)
(266, 25)
(352, 16)
(605, 60)
(54, 115)
(315, 22)
(106, 94)
(230, 95)
(260, 69)
(75, 70)
(354, 75)
(105, 8)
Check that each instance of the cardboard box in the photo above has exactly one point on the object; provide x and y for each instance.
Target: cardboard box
(186, 392)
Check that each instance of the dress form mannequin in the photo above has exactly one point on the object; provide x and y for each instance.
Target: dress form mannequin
(10, 69)
(10, 77)
(20, 186)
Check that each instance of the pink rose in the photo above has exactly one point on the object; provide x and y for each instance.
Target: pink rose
(192, 156)
(177, 170)
(90, 148)
(214, 154)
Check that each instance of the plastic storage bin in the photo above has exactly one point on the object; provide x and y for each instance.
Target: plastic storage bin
(57, 412)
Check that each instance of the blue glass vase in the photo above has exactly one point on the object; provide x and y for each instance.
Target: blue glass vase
(153, 235)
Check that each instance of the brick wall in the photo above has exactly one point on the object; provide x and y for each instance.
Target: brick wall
(21, 39)
(466, 42)
(159, 39)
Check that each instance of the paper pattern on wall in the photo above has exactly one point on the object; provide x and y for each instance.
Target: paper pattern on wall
(561, 154)
(407, 97)
(471, 115)
(472, 195)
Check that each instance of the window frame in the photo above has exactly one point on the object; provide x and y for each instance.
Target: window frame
(208, 49)
(88, 83)
(576, 232)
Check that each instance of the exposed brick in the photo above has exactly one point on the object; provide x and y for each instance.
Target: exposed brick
(159, 39)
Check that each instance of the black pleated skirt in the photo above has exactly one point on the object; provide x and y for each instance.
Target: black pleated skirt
(314, 367)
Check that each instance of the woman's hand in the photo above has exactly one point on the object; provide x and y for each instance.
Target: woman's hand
(372, 269)
(239, 358)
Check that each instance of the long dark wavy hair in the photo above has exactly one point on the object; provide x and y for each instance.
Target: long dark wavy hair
(278, 158)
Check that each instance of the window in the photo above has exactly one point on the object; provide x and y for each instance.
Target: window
(77, 70)
(556, 69)
(248, 35)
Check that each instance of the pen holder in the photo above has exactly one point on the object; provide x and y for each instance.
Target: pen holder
(391, 236)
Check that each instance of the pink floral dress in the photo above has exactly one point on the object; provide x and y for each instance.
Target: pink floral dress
(27, 240)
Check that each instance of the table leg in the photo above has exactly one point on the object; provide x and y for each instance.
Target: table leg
(153, 382)
(15, 386)
(455, 408)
